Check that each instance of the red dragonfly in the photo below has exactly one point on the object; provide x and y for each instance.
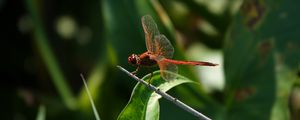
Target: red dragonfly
(159, 52)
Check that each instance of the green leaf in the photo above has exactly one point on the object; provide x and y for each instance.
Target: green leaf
(285, 80)
(249, 66)
(143, 104)
(262, 32)
(41, 113)
(283, 27)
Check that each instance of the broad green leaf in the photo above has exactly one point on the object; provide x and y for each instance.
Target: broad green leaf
(261, 31)
(143, 104)
(283, 25)
(249, 66)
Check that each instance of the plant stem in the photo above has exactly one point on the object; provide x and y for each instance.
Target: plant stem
(90, 97)
(167, 96)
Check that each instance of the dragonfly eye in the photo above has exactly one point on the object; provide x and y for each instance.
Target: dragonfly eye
(132, 59)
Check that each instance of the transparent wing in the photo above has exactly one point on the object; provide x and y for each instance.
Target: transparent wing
(163, 46)
(168, 71)
(150, 30)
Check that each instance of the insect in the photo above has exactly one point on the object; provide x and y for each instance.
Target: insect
(159, 52)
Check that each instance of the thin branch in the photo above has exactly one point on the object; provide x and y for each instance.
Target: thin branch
(167, 96)
(90, 97)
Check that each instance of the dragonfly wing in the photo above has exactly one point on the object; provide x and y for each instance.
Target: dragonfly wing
(150, 30)
(163, 46)
(168, 71)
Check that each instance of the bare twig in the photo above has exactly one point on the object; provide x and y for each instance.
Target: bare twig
(167, 96)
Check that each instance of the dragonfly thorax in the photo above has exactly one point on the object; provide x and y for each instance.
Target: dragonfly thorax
(142, 60)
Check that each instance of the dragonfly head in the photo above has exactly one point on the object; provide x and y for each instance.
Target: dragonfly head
(134, 59)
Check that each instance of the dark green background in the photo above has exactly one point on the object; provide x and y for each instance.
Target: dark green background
(259, 41)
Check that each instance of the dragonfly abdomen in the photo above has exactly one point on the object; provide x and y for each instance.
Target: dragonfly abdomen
(179, 62)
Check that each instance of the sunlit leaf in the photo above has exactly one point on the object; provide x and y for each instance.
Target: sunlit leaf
(143, 104)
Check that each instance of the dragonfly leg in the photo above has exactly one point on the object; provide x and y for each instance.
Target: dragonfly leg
(136, 70)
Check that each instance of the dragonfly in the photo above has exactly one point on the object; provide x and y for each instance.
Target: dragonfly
(159, 52)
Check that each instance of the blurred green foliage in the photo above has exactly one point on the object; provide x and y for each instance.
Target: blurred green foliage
(259, 40)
